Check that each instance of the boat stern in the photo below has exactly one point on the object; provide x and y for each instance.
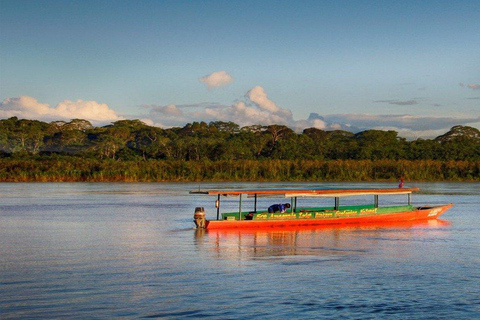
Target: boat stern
(199, 218)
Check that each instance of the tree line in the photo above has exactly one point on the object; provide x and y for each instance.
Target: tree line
(129, 150)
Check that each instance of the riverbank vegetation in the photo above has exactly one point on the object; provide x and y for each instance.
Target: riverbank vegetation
(129, 150)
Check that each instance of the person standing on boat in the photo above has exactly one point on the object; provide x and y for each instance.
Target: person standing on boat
(278, 207)
(400, 185)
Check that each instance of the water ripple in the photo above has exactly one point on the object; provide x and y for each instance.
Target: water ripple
(92, 251)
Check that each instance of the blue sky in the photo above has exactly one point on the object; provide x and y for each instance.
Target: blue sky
(410, 66)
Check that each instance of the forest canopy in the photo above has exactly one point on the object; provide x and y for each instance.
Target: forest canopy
(25, 142)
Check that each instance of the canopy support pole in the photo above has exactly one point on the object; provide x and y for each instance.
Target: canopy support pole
(376, 200)
(337, 203)
(409, 199)
(255, 206)
(240, 208)
(218, 207)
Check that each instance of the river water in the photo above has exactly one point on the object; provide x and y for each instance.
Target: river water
(121, 250)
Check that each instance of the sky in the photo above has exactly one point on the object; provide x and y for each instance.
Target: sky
(408, 66)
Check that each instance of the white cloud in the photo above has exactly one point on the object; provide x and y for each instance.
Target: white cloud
(89, 110)
(29, 108)
(473, 86)
(148, 122)
(258, 96)
(169, 116)
(23, 107)
(217, 79)
(244, 115)
(170, 110)
(299, 125)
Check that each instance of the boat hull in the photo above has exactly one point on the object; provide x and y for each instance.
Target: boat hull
(420, 213)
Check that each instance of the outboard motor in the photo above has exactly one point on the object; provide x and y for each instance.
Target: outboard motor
(199, 217)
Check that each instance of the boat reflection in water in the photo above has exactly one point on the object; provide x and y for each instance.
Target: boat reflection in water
(318, 241)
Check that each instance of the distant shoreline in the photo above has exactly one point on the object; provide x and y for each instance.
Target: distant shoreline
(77, 169)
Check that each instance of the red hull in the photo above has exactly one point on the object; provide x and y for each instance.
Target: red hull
(419, 214)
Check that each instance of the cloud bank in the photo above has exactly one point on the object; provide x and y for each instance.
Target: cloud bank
(399, 102)
(473, 86)
(217, 79)
(407, 126)
(25, 107)
(258, 108)
(254, 108)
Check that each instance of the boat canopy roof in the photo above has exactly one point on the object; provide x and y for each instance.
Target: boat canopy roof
(290, 193)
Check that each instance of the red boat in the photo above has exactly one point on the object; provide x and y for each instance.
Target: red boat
(291, 214)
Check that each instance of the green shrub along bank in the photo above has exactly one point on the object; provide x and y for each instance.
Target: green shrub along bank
(79, 169)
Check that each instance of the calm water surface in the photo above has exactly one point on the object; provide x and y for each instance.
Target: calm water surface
(75, 250)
